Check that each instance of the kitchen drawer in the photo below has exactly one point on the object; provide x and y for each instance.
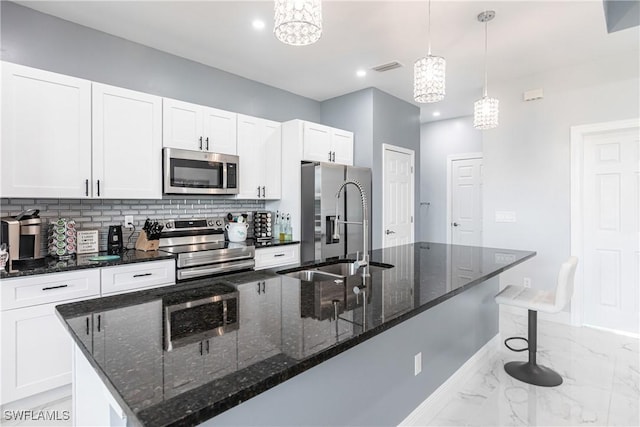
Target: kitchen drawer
(276, 256)
(48, 288)
(131, 277)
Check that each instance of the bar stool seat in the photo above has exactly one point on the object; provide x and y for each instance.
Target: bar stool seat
(537, 300)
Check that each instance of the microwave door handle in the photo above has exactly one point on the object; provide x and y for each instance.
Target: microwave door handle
(224, 174)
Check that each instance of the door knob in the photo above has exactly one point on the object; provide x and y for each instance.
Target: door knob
(390, 232)
(455, 224)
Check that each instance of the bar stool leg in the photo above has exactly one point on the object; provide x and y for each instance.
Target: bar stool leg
(530, 372)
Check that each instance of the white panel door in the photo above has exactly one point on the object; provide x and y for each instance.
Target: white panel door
(317, 142)
(219, 131)
(466, 202)
(611, 230)
(46, 134)
(127, 144)
(398, 197)
(182, 125)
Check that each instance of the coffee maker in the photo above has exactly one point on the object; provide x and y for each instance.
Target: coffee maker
(22, 234)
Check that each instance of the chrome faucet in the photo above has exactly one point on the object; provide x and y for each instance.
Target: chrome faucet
(364, 261)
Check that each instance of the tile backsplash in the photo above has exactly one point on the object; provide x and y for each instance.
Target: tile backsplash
(92, 214)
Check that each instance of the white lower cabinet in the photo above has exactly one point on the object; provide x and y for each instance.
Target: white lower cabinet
(276, 256)
(36, 352)
(35, 348)
(260, 332)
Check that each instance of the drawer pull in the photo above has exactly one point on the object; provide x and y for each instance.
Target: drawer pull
(48, 288)
(143, 275)
(278, 255)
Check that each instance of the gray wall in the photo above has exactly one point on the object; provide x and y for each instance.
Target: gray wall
(437, 141)
(42, 41)
(377, 118)
(395, 122)
(527, 158)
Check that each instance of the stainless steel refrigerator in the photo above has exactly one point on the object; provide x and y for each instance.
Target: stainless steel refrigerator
(320, 183)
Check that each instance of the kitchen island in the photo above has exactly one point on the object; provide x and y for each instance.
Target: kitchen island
(283, 351)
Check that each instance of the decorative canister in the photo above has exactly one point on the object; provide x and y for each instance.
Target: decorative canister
(237, 231)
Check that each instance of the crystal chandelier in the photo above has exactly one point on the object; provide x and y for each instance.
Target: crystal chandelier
(485, 110)
(429, 74)
(298, 22)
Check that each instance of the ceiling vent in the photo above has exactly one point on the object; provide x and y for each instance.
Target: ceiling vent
(387, 67)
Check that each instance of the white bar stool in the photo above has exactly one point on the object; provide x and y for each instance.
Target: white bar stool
(537, 300)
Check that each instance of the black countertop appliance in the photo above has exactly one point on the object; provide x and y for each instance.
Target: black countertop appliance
(114, 240)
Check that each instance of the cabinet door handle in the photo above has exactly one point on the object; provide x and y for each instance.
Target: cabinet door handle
(334, 157)
(86, 187)
(99, 322)
(258, 287)
(258, 191)
(200, 348)
(263, 289)
(48, 288)
(201, 143)
(278, 255)
(263, 192)
(207, 150)
(329, 155)
(207, 346)
(87, 325)
(98, 188)
(143, 275)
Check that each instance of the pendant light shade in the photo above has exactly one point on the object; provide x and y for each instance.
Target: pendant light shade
(429, 74)
(485, 110)
(298, 22)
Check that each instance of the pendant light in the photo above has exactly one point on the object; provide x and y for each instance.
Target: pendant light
(429, 74)
(298, 22)
(485, 110)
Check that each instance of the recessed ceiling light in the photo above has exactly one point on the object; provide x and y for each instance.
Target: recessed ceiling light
(258, 24)
(361, 73)
(436, 113)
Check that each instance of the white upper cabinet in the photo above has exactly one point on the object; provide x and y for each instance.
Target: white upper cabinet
(196, 127)
(259, 149)
(46, 134)
(127, 144)
(327, 144)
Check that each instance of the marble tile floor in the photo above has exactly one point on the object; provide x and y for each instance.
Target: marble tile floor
(601, 387)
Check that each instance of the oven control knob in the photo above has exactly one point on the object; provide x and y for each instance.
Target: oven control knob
(210, 223)
(169, 225)
(219, 223)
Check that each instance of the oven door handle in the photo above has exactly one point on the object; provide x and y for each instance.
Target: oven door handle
(224, 267)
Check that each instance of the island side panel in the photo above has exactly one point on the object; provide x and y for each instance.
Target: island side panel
(374, 383)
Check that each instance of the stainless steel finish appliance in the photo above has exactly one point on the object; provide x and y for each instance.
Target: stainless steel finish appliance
(201, 248)
(320, 183)
(22, 234)
(199, 172)
(199, 314)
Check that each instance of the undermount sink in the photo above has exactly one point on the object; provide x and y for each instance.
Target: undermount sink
(351, 268)
(315, 276)
(336, 272)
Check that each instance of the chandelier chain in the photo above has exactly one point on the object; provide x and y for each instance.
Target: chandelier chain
(486, 30)
(429, 29)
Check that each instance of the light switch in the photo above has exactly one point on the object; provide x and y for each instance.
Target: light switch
(505, 216)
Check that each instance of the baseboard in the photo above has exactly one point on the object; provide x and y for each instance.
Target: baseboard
(439, 398)
(614, 331)
(39, 399)
(563, 317)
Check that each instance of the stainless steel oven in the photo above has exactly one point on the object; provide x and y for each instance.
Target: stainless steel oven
(199, 314)
(199, 172)
(201, 249)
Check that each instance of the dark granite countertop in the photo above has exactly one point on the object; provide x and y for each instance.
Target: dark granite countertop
(283, 327)
(79, 262)
(274, 242)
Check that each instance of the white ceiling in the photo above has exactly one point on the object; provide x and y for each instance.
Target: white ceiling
(526, 37)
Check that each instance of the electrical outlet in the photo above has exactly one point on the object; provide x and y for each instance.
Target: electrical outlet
(128, 221)
(417, 364)
(527, 282)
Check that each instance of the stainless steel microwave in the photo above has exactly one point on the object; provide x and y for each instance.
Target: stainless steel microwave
(199, 172)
